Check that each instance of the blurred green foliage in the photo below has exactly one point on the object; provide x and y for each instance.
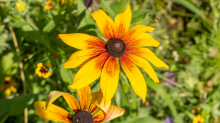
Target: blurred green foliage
(188, 31)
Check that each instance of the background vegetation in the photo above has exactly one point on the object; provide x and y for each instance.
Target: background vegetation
(188, 31)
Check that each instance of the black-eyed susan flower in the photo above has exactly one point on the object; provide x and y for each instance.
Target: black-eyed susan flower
(20, 5)
(101, 58)
(198, 119)
(8, 85)
(90, 110)
(43, 71)
(49, 5)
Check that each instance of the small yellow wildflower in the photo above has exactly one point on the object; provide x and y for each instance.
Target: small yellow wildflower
(43, 70)
(8, 86)
(63, 1)
(198, 119)
(49, 5)
(20, 5)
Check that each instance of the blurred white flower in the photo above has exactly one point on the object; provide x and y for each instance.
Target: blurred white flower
(160, 47)
(175, 55)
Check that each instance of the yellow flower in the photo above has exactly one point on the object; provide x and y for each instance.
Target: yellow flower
(20, 5)
(100, 58)
(62, 1)
(90, 110)
(198, 119)
(43, 70)
(49, 5)
(8, 86)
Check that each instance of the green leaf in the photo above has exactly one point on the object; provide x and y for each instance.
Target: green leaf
(7, 61)
(143, 120)
(122, 5)
(20, 104)
(4, 118)
(108, 9)
(156, 87)
(5, 105)
(84, 19)
(2, 27)
(18, 24)
(191, 7)
(67, 75)
(52, 23)
(138, 15)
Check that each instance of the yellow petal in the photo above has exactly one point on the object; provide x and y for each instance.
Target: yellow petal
(135, 77)
(52, 112)
(48, 64)
(135, 32)
(114, 112)
(89, 72)
(37, 70)
(39, 65)
(105, 24)
(7, 91)
(144, 65)
(99, 117)
(92, 108)
(45, 75)
(202, 120)
(144, 39)
(80, 57)
(97, 100)
(39, 74)
(84, 97)
(122, 22)
(82, 41)
(149, 55)
(71, 100)
(13, 89)
(109, 78)
(62, 2)
(7, 78)
(20, 5)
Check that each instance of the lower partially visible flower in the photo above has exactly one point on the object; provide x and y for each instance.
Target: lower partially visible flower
(90, 110)
(171, 77)
(49, 5)
(169, 120)
(20, 5)
(198, 119)
(8, 86)
(43, 70)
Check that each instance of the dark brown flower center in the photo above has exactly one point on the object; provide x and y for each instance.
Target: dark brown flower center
(50, 4)
(6, 82)
(116, 47)
(82, 117)
(44, 70)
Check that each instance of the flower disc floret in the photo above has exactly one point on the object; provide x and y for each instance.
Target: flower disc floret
(82, 117)
(116, 47)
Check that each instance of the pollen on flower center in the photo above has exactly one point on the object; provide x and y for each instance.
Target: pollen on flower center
(82, 117)
(116, 47)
